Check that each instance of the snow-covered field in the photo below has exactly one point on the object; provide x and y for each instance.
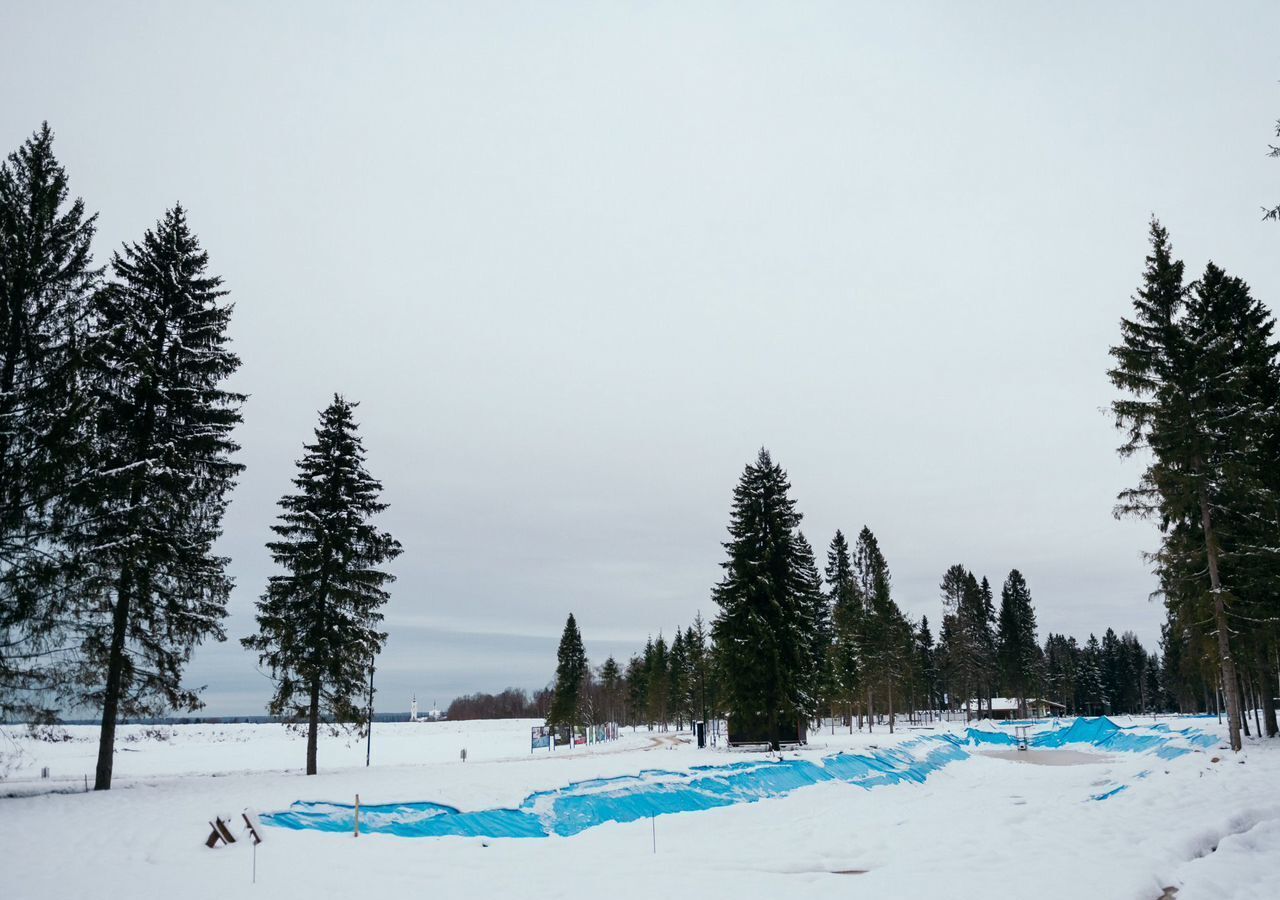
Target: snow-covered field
(1206, 822)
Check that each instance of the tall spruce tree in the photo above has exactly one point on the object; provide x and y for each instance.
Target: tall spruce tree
(571, 669)
(926, 664)
(1061, 657)
(1018, 651)
(987, 641)
(46, 283)
(1197, 367)
(968, 644)
(1091, 693)
(637, 701)
(157, 489)
(319, 622)
(847, 615)
(763, 631)
(886, 642)
(657, 682)
(809, 587)
(611, 687)
(700, 667)
(678, 679)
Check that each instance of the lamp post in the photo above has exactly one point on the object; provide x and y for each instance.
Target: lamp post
(368, 748)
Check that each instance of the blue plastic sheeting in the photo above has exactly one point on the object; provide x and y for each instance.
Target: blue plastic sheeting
(975, 736)
(1108, 794)
(581, 805)
(1107, 735)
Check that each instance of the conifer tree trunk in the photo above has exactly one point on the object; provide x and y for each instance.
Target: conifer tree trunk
(111, 696)
(119, 628)
(871, 711)
(1255, 704)
(1242, 698)
(313, 725)
(1220, 623)
(1267, 675)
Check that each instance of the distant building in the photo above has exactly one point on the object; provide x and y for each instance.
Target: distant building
(1007, 708)
(433, 715)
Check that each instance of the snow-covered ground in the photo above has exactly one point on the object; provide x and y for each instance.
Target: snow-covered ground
(1207, 823)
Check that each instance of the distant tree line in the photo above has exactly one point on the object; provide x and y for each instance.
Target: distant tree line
(513, 703)
(116, 467)
(804, 645)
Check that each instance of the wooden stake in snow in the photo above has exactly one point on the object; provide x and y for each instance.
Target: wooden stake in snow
(357, 815)
(251, 822)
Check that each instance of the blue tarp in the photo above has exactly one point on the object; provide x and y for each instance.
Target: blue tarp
(581, 805)
(585, 804)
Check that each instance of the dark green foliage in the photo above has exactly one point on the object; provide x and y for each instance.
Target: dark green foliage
(848, 612)
(1061, 664)
(1018, 650)
(611, 690)
(1152, 699)
(154, 498)
(701, 672)
(1091, 694)
(571, 670)
(926, 667)
(763, 631)
(46, 282)
(967, 647)
(319, 622)
(1197, 366)
(678, 680)
(887, 641)
(657, 681)
(637, 692)
(819, 636)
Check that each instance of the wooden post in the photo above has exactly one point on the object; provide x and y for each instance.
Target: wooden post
(357, 815)
(368, 747)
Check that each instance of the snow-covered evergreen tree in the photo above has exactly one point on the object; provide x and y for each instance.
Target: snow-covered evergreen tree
(763, 632)
(1197, 365)
(702, 678)
(848, 610)
(887, 641)
(46, 282)
(1091, 692)
(926, 665)
(809, 586)
(571, 669)
(1018, 651)
(657, 683)
(678, 679)
(154, 498)
(319, 623)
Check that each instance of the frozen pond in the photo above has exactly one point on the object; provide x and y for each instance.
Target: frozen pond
(1050, 757)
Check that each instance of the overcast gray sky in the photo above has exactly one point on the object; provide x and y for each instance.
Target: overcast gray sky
(579, 261)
